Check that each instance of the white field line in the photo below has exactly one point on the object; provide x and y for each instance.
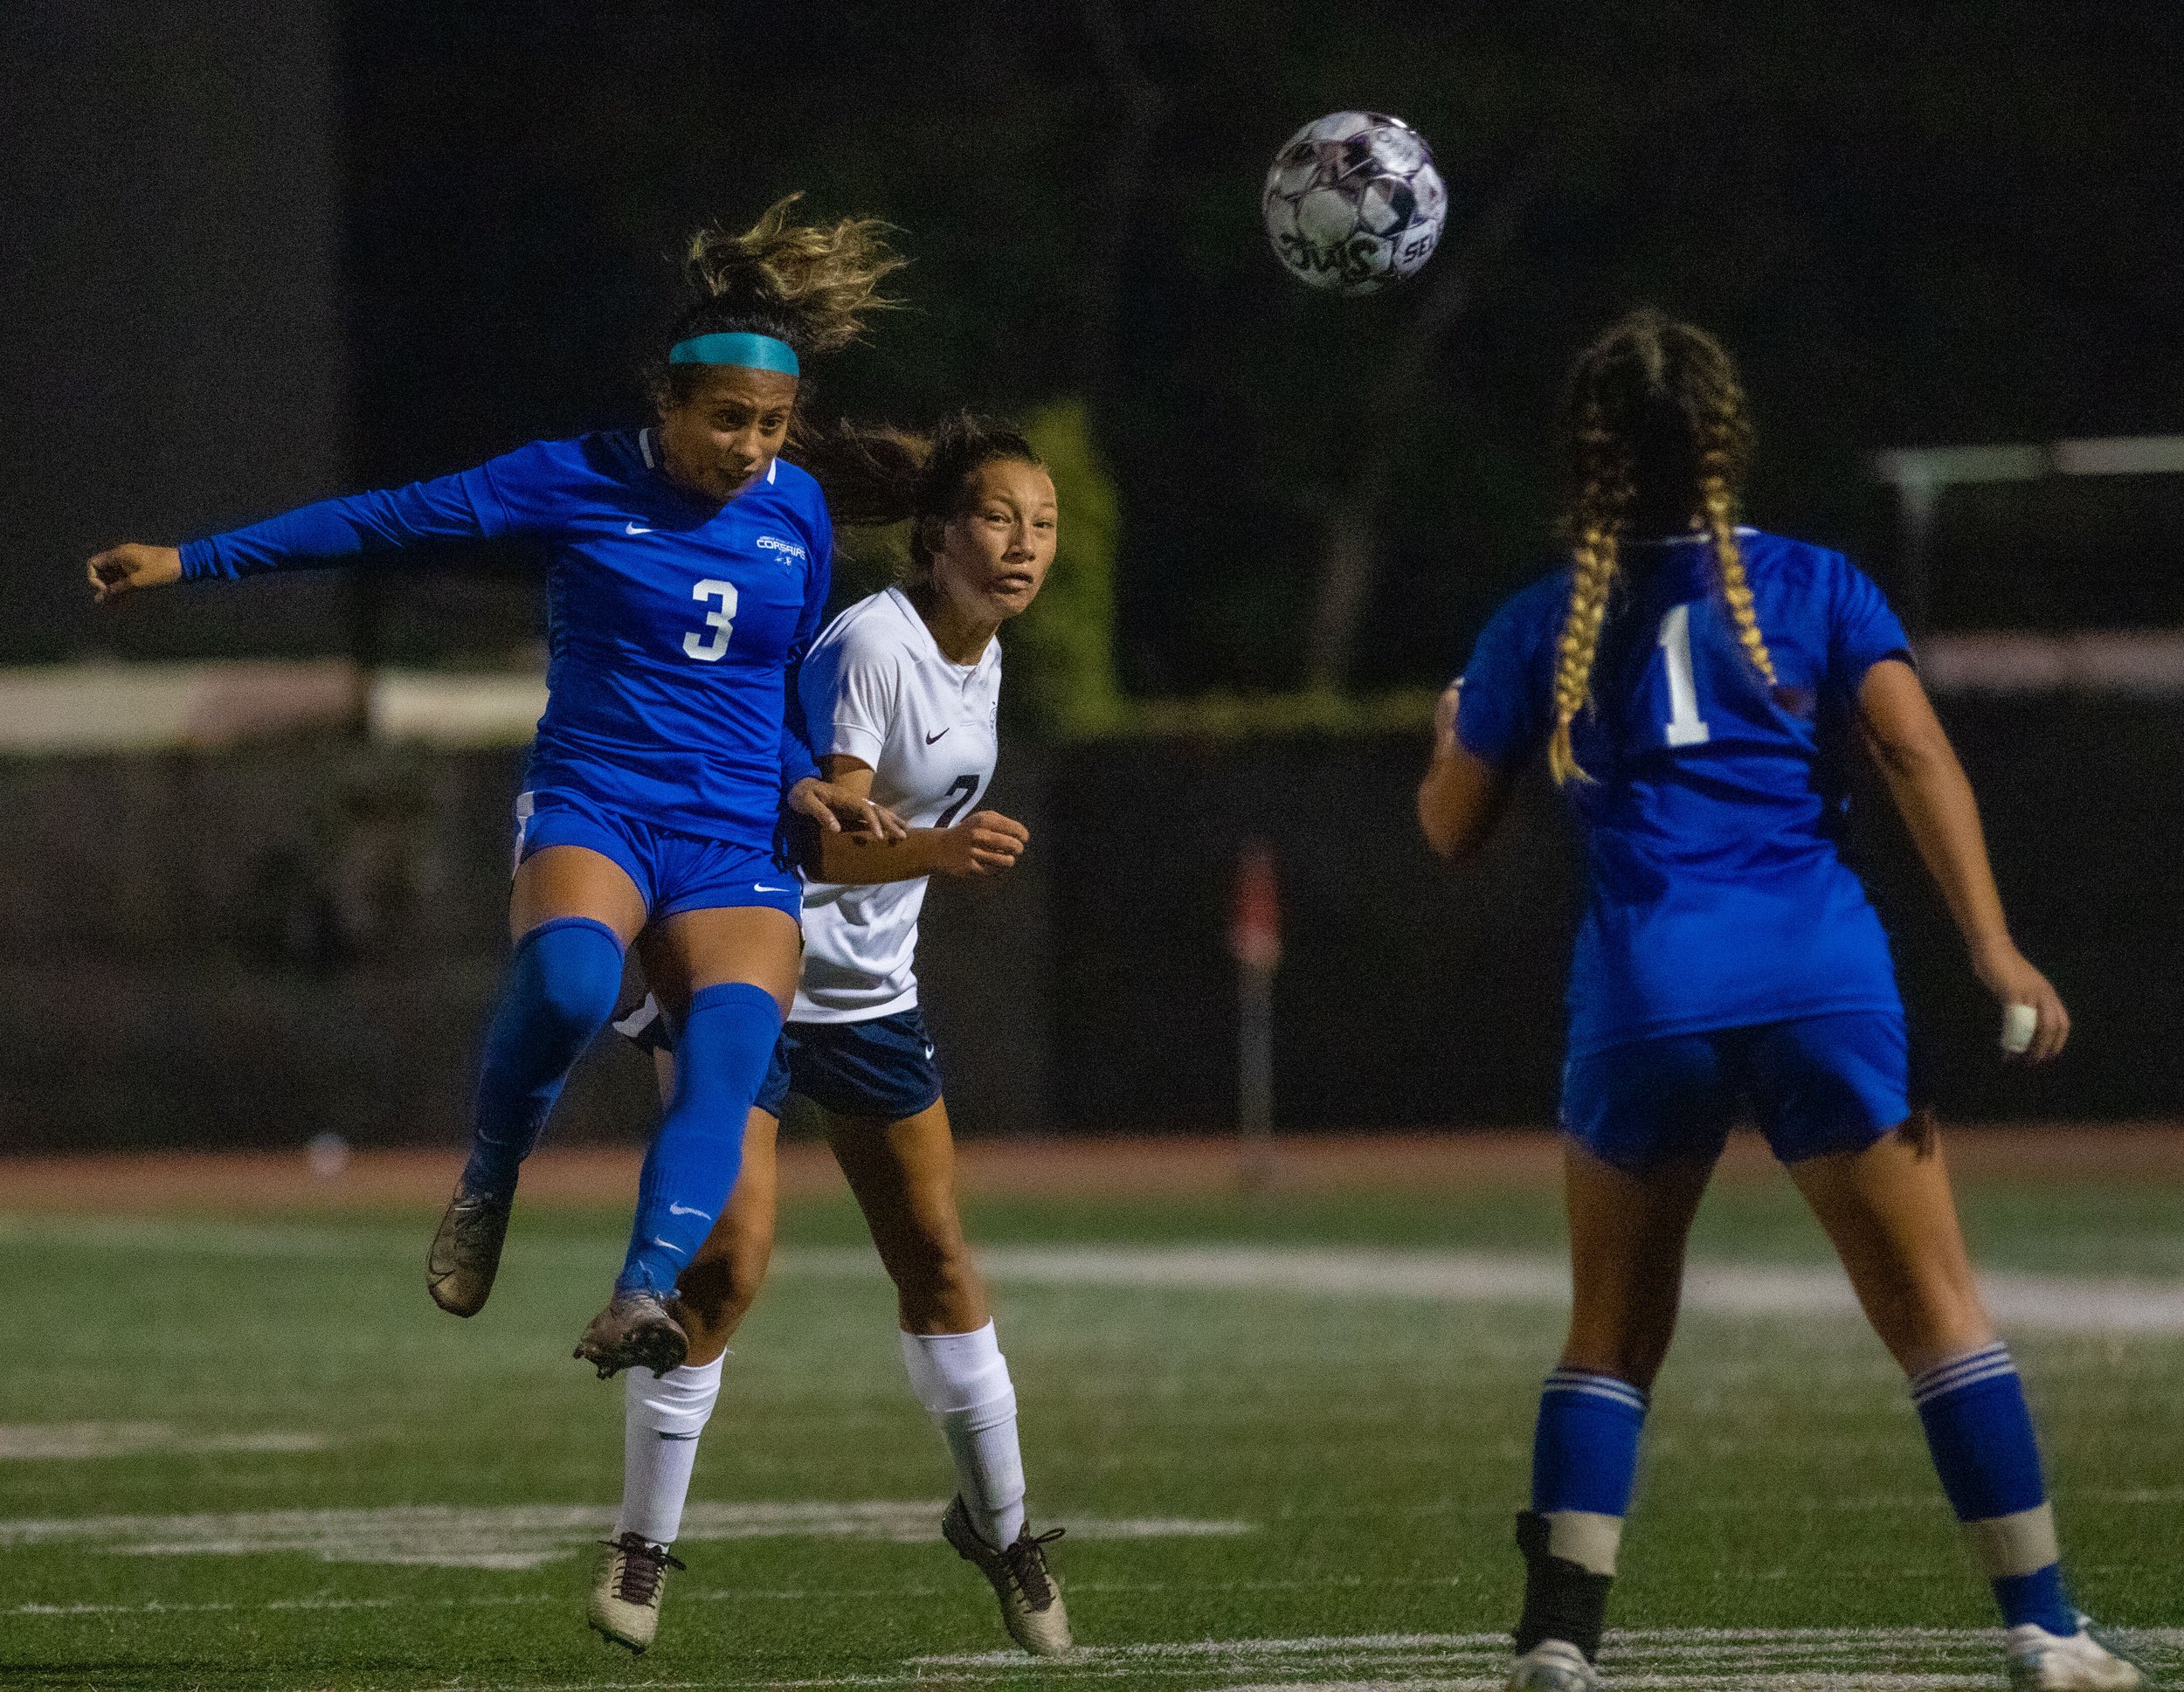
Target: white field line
(708, 1595)
(1770, 1657)
(1655, 1660)
(2070, 1302)
(73, 1441)
(520, 1536)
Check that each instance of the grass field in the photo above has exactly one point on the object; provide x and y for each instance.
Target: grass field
(239, 1449)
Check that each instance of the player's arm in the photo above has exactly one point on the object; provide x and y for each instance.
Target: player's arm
(984, 843)
(1462, 796)
(468, 506)
(1911, 750)
(813, 799)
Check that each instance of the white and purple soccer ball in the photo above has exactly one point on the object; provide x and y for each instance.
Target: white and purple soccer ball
(1353, 203)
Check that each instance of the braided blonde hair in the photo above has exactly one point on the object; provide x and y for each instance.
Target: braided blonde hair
(1653, 419)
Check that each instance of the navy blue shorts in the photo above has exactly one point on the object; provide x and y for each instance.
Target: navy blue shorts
(880, 1067)
(1814, 1085)
(674, 871)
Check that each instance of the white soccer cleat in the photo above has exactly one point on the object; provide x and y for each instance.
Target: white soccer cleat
(1554, 1666)
(1031, 1603)
(2042, 1662)
(626, 1582)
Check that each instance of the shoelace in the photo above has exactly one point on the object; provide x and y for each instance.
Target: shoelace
(1027, 1566)
(643, 1563)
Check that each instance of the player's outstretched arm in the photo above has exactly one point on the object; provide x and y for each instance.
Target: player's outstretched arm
(1912, 752)
(130, 567)
(1462, 796)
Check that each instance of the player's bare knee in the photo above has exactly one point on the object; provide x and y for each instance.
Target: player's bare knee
(716, 1293)
(939, 1288)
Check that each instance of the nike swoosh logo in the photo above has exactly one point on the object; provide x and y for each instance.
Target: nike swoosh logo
(633, 528)
(760, 886)
(930, 739)
(684, 1210)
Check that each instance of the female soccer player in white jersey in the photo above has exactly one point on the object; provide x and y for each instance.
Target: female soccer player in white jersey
(900, 694)
(1687, 679)
(688, 571)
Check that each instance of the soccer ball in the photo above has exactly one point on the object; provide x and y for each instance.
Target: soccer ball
(1353, 203)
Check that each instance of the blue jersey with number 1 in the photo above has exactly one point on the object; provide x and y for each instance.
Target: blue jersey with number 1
(673, 624)
(1716, 897)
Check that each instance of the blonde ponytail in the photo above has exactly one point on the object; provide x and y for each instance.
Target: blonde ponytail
(1657, 402)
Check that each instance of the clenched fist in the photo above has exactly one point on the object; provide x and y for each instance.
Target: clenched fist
(125, 569)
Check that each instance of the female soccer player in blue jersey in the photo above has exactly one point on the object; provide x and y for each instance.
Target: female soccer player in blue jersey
(901, 693)
(1686, 679)
(687, 567)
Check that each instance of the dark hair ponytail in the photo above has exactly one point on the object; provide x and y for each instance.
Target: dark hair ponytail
(874, 475)
(810, 286)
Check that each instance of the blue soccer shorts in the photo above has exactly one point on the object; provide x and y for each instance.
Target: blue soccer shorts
(674, 871)
(1813, 1085)
(882, 1067)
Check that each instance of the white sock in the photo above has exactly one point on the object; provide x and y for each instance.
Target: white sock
(963, 1381)
(661, 1419)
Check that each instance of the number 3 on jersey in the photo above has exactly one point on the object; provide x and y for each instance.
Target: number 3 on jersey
(1684, 727)
(709, 644)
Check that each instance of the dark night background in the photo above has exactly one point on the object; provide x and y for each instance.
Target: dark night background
(1934, 224)
(266, 252)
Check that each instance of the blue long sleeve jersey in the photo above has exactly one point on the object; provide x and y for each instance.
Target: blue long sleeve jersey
(675, 627)
(1715, 896)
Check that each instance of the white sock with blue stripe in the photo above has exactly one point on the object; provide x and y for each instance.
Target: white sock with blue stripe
(1980, 1431)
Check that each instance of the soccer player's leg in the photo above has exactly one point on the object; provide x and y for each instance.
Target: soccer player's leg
(1831, 1093)
(664, 1415)
(573, 911)
(726, 975)
(1645, 1123)
(902, 1169)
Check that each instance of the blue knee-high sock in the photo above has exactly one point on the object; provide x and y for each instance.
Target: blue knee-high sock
(559, 992)
(1980, 1432)
(1584, 1457)
(721, 1051)
(1585, 1447)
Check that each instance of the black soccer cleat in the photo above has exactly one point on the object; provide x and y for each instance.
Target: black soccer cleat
(636, 1330)
(465, 1254)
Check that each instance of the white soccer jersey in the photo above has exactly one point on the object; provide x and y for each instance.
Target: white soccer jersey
(876, 686)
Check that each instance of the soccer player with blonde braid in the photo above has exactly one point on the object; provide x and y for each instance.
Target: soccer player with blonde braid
(1687, 679)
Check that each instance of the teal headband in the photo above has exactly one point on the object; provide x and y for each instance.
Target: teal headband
(754, 352)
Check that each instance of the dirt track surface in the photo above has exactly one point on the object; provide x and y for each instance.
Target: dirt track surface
(1059, 1168)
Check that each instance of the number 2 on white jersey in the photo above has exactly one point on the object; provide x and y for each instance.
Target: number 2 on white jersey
(1684, 727)
(719, 625)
